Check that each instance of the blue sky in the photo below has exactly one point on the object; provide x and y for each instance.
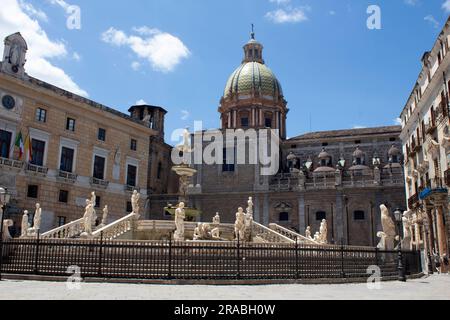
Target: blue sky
(335, 72)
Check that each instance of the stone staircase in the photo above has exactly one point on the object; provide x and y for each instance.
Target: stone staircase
(291, 234)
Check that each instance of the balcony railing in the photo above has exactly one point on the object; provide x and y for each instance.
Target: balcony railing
(14, 164)
(67, 176)
(431, 128)
(99, 183)
(39, 170)
(413, 202)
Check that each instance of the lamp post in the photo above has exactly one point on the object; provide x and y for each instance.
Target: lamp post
(401, 269)
(4, 200)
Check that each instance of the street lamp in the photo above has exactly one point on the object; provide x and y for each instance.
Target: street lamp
(401, 270)
(4, 200)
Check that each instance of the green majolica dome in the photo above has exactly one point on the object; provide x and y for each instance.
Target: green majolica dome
(253, 77)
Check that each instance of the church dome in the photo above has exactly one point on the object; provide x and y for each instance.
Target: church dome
(253, 78)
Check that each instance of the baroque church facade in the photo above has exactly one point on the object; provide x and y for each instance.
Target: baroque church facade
(342, 176)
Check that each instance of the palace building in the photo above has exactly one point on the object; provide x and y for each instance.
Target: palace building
(342, 176)
(57, 147)
(426, 144)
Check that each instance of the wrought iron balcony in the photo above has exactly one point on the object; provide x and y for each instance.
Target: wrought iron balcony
(35, 169)
(67, 176)
(13, 164)
(413, 202)
(99, 183)
(431, 128)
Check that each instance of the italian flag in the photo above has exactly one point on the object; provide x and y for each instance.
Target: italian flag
(19, 144)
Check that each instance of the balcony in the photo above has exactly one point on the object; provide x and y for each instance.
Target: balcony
(431, 128)
(447, 177)
(11, 164)
(67, 177)
(37, 170)
(99, 183)
(413, 202)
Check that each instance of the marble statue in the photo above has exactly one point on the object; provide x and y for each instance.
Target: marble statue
(116, 166)
(389, 231)
(6, 225)
(197, 233)
(317, 237)
(180, 215)
(105, 216)
(215, 233)
(250, 206)
(37, 218)
(87, 219)
(407, 234)
(14, 55)
(94, 203)
(248, 227)
(239, 225)
(25, 224)
(216, 219)
(203, 232)
(186, 146)
(323, 232)
(135, 202)
(308, 233)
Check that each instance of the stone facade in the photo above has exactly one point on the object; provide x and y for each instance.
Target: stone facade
(426, 142)
(77, 146)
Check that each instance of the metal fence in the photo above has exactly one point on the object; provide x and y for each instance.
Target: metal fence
(197, 260)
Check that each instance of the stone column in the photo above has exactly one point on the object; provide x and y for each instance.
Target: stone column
(301, 213)
(441, 232)
(340, 218)
(266, 216)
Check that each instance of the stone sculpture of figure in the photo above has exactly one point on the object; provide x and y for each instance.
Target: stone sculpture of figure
(87, 218)
(105, 216)
(6, 225)
(239, 225)
(215, 233)
(186, 146)
(407, 234)
(250, 206)
(37, 218)
(216, 219)
(324, 232)
(317, 237)
(197, 233)
(308, 233)
(135, 202)
(388, 234)
(14, 55)
(25, 224)
(180, 215)
(94, 203)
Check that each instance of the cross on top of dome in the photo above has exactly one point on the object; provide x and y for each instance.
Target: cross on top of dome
(253, 49)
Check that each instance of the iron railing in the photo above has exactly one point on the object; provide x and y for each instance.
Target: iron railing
(159, 260)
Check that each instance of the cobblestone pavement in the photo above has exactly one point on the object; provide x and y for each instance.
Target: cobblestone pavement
(435, 287)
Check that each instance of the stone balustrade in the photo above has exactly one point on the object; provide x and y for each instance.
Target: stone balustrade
(268, 235)
(291, 234)
(117, 228)
(70, 230)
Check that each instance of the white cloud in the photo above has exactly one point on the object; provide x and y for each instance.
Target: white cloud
(185, 115)
(76, 56)
(32, 11)
(135, 65)
(398, 122)
(411, 2)
(288, 15)
(61, 3)
(141, 102)
(163, 50)
(446, 6)
(359, 127)
(280, 2)
(13, 18)
(432, 21)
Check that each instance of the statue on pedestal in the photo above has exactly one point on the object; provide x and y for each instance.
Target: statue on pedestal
(216, 219)
(87, 219)
(308, 233)
(407, 234)
(94, 203)
(135, 202)
(250, 206)
(388, 234)
(37, 218)
(6, 225)
(239, 225)
(317, 237)
(324, 232)
(25, 224)
(180, 215)
(105, 216)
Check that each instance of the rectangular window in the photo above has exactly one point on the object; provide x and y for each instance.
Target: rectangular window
(41, 115)
(129, 207)
(37, 152)
(62, 221)
(101, 134)
(133, 145)
(228, 164)
(321, 215)
(98, 201)
(63, 196)
(131, 175)
(32, 191)
(359, 215)
(70, 124)
(5, 143)
(244, 122)
(99, 167)
(67, 156)
(284, 216)
(268, 123)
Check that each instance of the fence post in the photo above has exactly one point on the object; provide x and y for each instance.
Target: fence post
(342, 262)
(100, 256)
(170, 257)
(238, 255)
(36, 256)
(296, 259)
